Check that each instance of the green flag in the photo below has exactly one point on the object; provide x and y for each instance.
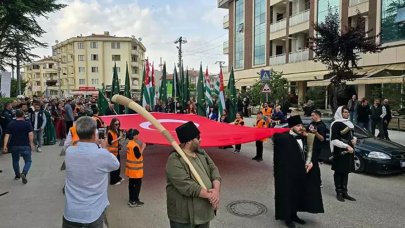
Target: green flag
(102, 103)
(186, 85)
(115, 89)
(127, 91)
(163, 86)
(201, 94)
(176, 88)
(181, 87)
(232, 97)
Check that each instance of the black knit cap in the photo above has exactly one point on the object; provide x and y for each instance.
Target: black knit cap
(293, 121)
(187, 132)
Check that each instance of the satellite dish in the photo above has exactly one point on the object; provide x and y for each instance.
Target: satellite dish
(140, 39)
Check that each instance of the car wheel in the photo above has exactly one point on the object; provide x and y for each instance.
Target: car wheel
(358, 164)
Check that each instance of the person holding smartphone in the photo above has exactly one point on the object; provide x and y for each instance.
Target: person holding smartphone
(114, 136)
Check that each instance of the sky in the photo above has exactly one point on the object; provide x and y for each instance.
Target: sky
(157, 22)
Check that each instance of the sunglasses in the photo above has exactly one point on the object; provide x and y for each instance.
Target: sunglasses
(117, 124)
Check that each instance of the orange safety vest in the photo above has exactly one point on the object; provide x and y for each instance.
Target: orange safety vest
(75, 137)
(266, 111)
(99, 121)
(114, 147)
(261, 124)
(134, 166)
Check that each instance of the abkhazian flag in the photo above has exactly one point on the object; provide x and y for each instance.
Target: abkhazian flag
(147, 84)
(221, 98)
(208, 97)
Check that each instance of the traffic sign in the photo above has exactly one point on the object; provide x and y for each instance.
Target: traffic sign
(266, 88)
(265, 75)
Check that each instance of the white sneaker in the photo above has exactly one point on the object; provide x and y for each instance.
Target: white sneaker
(39, 150)
(118, 183)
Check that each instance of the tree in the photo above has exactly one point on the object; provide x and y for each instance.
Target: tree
(278, 86)
(19, 30)
(14, 85)
(339, 49)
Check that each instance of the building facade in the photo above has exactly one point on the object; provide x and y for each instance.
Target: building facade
(85, 63)
(37, 74)
(275, 34)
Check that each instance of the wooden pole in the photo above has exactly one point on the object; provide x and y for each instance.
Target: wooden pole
(140, 110)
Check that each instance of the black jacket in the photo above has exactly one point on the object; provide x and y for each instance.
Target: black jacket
(363, 113)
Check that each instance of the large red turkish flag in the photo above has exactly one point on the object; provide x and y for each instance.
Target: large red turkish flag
(212, 133)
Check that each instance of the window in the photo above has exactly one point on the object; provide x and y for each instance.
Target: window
(94, 57)
(259, 32)
(115, 45)
(135, 70)
(134, 47)
(35, 67)
(118, 69)
(50, 65)
(94, 69)
(239, 36)
(82, 81)
(80, 45)
(93, 44)
(134, 58)
(81, 69)
(80, 57)
(94, 81)
(323, 8)
(116, 58)
(392, 27)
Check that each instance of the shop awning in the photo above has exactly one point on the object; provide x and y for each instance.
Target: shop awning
(305, 76)
(370, 76)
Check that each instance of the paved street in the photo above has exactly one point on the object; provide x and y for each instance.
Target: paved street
(40, 203)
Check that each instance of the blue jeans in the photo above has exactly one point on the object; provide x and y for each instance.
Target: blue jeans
(25, 152)
(353, 116)
(38, 137)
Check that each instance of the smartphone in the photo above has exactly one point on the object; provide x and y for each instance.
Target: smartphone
(101, 133)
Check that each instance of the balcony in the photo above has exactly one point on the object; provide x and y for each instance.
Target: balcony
(358, 5)
(226, 48)
(356, 2)
(277, 60)
(298, 56)
(275, 2)
(224, 4)
(226, 22)
(299, 18)
(36, 88)
(279, 25)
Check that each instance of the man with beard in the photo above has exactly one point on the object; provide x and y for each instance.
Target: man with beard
(342, 144)
(292, 190)
(188, 204)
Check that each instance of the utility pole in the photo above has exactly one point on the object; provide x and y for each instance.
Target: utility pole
(220, 64)
(180, 41)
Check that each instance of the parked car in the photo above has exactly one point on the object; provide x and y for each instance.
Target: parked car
(372, 154)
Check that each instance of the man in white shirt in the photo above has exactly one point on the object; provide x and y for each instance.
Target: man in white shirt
(86, 184)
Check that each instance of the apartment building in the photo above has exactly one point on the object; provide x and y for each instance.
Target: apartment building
(85, 63)
(275, 34)
(37, 74)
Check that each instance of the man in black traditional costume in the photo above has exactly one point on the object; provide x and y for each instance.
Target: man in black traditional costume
(295, 189)
(342, 146)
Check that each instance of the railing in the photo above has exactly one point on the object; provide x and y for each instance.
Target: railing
(279, 25)
(226, 47)
(356, 2)
(277, 60)
(298, 56)
(226, 21)
(299, 18)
